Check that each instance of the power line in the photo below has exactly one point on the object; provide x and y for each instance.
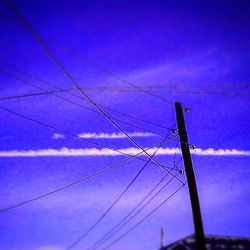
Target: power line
(87, 60)
(33, 94)
(170, 91)
(79, 97)
(86, 88)
(75, 182)
(81, 57)
(91, 228)
(144, 218)
(142, 89)
(159, 87)
(124, 220)
(67, 100)
(122, 225)
(71, 134)
(69, 76)
(54, 93)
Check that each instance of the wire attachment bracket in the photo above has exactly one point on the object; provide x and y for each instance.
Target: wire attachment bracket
(175, 131)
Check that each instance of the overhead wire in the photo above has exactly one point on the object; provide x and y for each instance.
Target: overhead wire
(133, 85)
(80, 105)
(97, 173)
(71, 134)
(122, 225)
(156, 88)
(2, 98)
(179, 92)
(144, 218)
(108, 118)
(91, 62)
(81, 57)
(54, 93)
(124, 220)
(116, 125)
(70, 77)
(81, 98)
(127, 218)
(97, 222)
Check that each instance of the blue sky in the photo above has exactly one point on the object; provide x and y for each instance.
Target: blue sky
(193, 52)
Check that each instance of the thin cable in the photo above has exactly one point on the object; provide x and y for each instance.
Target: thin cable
(75, 182)
(144, 218)
(178, 92)
(157, 88)
(69, 76)
(77, 104)
(121, 223)
(81, 98)
(91, 228)
(115, 76)
(54, 93)
(33, 94)
(72, 135)
(121, 90)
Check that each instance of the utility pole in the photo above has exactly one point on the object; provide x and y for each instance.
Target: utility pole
(193, 193)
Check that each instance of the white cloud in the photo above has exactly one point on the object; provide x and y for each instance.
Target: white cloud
(105, 135)
(58, 136)
(49, 248)
(221, 152)
(107, 152)
(113, 135)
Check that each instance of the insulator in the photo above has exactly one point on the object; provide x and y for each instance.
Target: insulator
(175, 131)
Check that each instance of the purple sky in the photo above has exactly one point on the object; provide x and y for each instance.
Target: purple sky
(193, 52)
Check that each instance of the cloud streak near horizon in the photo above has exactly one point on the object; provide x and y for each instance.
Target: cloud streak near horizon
(81, 152)
(105, 135)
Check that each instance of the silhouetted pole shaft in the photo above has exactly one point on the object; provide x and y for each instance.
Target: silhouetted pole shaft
(193, 193)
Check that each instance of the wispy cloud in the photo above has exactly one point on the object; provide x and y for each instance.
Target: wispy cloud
(105, 135)
(57, 136)
(71, 152)
(49, 248)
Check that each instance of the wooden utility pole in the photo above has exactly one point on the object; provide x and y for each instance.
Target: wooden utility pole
(193, 193)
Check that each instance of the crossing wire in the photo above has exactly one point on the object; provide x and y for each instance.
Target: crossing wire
(144, 218)
(93, 226)
(127, 218)
(135, 88)
(69, 76)
(81, 57)
(54, 93)
(179, 92)
(73, 135)
(97, 173)
(122, 225)
(96, 65)
(3, 98)
(80, 97)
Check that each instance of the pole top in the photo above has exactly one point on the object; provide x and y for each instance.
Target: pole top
(178, 105)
